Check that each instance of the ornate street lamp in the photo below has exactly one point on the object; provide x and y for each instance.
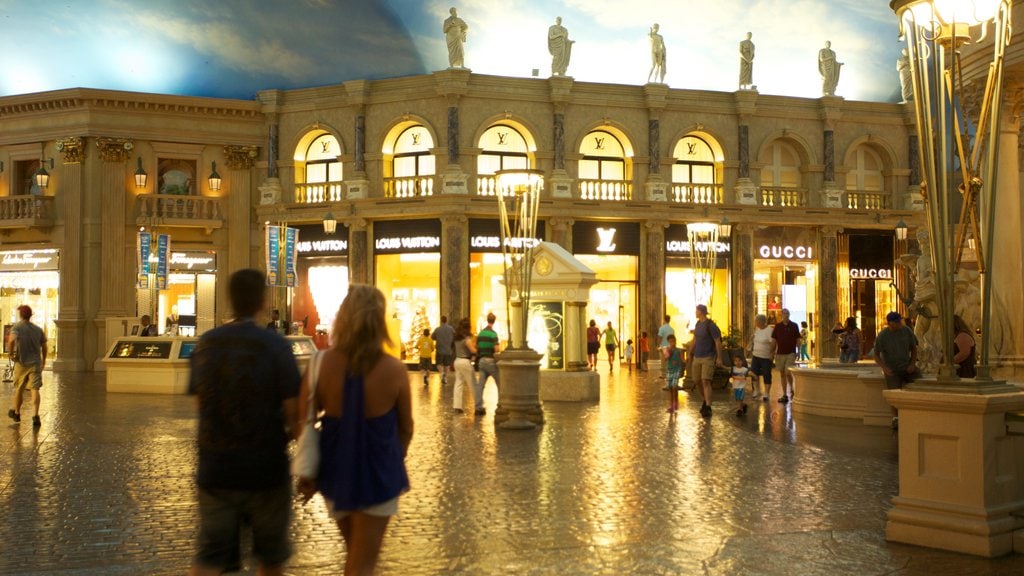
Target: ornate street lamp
(518, 202)
(958, 149)
(703, 238)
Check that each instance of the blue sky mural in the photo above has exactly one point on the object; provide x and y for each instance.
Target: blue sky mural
(234, 48)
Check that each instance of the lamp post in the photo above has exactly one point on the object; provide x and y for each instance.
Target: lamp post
(518, 202)
(703, 238)
(958, 150)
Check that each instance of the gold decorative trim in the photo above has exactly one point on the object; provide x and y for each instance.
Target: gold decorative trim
(72, 148)
(240, 157)
(114, 149)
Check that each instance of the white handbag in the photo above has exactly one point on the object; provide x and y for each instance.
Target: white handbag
(306, 463)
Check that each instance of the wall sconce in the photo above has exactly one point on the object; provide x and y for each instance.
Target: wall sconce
(140, 175)
(41, 176)
(901, 230)
(330, 224)
(214, 177)
(724, 227)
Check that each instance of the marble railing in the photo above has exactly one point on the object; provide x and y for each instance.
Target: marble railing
(409, 187)
(199, 211)
(782, 197)
(605, 190)
(26, 209)
(696, 193)
(860, 200)
(319, 192)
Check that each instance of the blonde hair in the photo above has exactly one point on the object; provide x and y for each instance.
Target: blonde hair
(360, 331)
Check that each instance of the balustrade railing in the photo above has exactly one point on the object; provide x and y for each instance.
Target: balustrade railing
(486, 185)
(616, 190)
(319, 192)
(861, 200)
(26, 207)
(202, 209)
(696, 193)
(409, 187)
(782, 197)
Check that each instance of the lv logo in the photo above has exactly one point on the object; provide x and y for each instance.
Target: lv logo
(606, 239)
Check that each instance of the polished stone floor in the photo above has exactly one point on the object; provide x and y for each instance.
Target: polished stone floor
(105, 486)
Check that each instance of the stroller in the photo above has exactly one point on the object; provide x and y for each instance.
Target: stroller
(9, 370)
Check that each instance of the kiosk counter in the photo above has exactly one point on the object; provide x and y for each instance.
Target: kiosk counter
(160, 365)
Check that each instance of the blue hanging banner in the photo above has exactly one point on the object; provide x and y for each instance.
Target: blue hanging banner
(291, 241)
(163, 256)
(273, 245)
(144, 246)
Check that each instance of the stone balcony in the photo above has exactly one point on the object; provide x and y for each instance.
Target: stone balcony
(205, 212)
(26, 211)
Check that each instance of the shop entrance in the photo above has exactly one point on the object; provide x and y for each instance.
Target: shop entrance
(786, 284)
(39, 291)
(614, 298)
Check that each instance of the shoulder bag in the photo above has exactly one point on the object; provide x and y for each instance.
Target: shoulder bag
(306, 463)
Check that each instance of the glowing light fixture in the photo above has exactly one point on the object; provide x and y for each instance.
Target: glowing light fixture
(140, 175)
(901, 230)
(330, 224)
(214, 177)
(41, 176)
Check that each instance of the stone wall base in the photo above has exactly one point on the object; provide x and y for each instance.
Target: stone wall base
(560, 386)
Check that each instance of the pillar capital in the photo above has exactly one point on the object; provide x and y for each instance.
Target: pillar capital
(240, 157)
(830, 231)
(72, 148)
(114, 149)
(657, 225)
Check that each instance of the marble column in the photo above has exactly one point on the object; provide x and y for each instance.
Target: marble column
(746, 190)
(453, 135)
(830, 156)
(358, 252)
(828, 290)
(560, 232)
(575, 337)
(559, 138)
(743, 293)
(239, 161)
(117, 297)
(654, 146)
(71, 317)
(831, 193)
(360, 143)
(272, 143)
(559, 184)
(652, 302)
(454, 272)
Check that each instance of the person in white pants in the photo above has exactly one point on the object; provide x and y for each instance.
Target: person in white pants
(465, 348)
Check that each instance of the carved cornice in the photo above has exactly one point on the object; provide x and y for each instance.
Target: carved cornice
(454, 220)
(240, 157)
(657, 225)
(114, 149)
(560, 223)
(72, 148)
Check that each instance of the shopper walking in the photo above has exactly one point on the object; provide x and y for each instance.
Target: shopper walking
(896, 354)
(366, 427)
(593, 344)
(611, 342)
(664, 331)
(762, 353)
(487, 345)
(849, 341)
(245, 380)
(27, 345)
(465, 349)
(706, 354)
(444, 336)
(786, 335)
(645, 350)
(426, 350)
(965, 356)
(628, 352)
(673, 361)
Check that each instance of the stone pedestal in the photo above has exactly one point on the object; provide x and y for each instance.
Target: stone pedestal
(454, 180)
(357, 188)
(913, 200)
(520, 385)
(655, 190)
(746, 192)
(831, 196)
(961, 475)
(570, 386)
(270, 191)
(560, 184)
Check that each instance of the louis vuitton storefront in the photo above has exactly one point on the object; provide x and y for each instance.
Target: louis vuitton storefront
(612, 251)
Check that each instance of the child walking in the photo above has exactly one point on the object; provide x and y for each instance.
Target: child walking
(426, 346)
(740, 377)
(673, 369)
(629, 355)
(645, 349)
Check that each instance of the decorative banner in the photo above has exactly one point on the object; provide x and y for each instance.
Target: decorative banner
(163, 256)
(144, 246)
(291, 240)
(273, 245)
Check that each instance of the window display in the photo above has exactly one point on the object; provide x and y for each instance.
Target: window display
(31, 277)
(411, 283)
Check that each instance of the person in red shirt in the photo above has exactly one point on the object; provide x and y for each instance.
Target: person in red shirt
(787, 337)
(645, 350)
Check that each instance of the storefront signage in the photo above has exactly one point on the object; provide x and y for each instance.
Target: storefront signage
(193, 261)
(870, 274)
(291, 238)
(485, 236)
(144, 245)
(273, 246)
(281, 246)
(322, 246)
(408, 236)
(315, 242)
(163, 253)
(683, 247)
(23, 260)
(606, 238)
(785, 252)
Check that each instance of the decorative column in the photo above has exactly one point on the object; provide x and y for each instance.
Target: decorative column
(559, 184)
(452, 84)
(560, 232)
(358, 251)
(240, 225)
(912, 199)
(270, 189)
(743, 294)
(746, 190)
(71, 317)
(117, 277)
(831, 192)
(652, 304)
(454, 272)
(575, 342)
(358, 184)
(828, 290)
(655, 187)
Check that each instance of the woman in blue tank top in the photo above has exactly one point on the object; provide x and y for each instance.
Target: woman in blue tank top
(363, 397)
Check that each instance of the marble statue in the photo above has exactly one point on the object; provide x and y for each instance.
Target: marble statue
(560, 47)
(906, 84)
(657, 56)
(828, 67)
(455, 35)
(924, 307)
(747, 63)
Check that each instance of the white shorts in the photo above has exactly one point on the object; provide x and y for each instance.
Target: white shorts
(389, 508)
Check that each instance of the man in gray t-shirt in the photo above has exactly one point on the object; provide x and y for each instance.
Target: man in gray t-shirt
(896, 354)
(28, 342)
(444, 335)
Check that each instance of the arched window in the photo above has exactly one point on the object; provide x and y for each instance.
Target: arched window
(602, 168)
(865, 184)
(502, 148)
(695, 174)
(318, 170)
(412, 164)
(780, 176)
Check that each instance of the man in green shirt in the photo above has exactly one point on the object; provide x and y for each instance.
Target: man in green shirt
(896, 354)
(487, 345)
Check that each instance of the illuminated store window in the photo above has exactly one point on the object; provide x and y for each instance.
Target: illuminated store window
(695, 177)
(780, 176)
(502, 148)
(318, 165)
(602, 168)
(411, 283)
(412, 165)
(865, 183)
